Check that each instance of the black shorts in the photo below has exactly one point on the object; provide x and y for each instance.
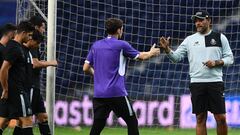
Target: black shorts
(37, 101)
(4, 108)
(17, 105)
(208, 97)
(121, 106)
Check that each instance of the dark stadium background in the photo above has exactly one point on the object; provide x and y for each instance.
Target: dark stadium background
(8, 14)
(8, 11)
(144, 22)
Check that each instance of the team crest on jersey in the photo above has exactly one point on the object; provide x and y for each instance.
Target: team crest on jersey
(213, 42)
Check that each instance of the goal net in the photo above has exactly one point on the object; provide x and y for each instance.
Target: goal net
(158, 87)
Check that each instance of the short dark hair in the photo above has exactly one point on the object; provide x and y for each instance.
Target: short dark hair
(37, 36)
(5, 29)
(112, 25)
(25, 26)
(37, 20)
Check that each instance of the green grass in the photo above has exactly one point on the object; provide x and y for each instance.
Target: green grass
(123, 131)
(155, 131)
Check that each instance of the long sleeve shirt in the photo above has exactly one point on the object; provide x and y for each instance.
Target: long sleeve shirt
(200, 48)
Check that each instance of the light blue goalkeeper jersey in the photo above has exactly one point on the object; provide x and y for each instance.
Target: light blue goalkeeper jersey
(200, 48)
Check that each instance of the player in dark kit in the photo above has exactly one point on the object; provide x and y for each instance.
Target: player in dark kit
(13, 77)
(36, 39)
(38, 107)
(106, 61)
(7, 32)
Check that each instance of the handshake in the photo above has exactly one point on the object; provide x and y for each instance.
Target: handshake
(154, 51)
(164, 44)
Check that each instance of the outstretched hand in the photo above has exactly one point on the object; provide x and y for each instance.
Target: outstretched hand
(154, 51)
(164, 43)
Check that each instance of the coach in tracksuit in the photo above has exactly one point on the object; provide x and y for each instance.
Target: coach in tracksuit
(207, 53)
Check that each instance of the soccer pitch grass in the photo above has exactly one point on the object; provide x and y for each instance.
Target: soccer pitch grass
(143, 131)
(123, 131)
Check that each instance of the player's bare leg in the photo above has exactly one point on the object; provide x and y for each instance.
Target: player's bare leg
(201, 128)
(3, 124)
(43, 123)
(42, 117)
(17, 130)
(221, 124)
(26, 125)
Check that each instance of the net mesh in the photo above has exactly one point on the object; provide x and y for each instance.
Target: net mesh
(158, 87)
